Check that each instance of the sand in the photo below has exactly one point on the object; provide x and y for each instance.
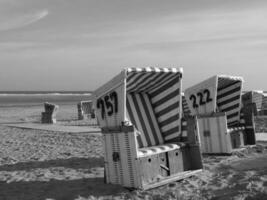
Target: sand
(38, 164)
(32, 113)
(64, 165)
(57, 127)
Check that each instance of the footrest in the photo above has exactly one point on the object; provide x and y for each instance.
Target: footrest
(148, 151)
(240, 128)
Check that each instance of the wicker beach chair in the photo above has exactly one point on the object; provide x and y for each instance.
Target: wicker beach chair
(263, 110)
(254, 99)
(49, 115)
(139, 112)
(85, 110)
(217, 104)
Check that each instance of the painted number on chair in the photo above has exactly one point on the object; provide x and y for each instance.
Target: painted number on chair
(201, 98)
(108, 104)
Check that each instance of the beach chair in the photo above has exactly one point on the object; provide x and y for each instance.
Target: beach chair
(254, 99)
(49, 115)
(263, 110)
(139, 112)
(85, 110)
(217, 104)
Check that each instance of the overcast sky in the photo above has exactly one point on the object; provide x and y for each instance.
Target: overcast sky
(80, 44)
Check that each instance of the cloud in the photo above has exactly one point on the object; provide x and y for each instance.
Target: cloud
(176, 32)
(20, 21)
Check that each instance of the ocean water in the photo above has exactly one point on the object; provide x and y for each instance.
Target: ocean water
(28, 106)
(36, 98)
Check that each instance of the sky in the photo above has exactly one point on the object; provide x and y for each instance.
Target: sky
(81, 44)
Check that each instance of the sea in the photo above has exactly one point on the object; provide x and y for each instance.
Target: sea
(27, 106)
(31, 98)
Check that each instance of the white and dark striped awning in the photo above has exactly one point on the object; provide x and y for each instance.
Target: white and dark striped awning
(153, 103)
(149, 78)
(229, 97)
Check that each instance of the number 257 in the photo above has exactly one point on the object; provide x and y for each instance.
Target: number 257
(108, 104)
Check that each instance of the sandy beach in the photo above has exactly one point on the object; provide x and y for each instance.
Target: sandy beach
(41, 164)
(171, 81)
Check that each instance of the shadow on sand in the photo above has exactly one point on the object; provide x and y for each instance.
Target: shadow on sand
(57, 189)
(74, 163)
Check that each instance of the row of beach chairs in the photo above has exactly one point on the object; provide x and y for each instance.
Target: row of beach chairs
(154, 134)
(259, 99)
(85, 111)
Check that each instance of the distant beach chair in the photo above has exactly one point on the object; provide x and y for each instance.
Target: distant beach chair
(254, 99)
(217, 104)
(85, 110)
(140, 115)
(49, 115)
(263, 110)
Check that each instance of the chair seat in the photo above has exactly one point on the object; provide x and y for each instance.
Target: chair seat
(148, 151)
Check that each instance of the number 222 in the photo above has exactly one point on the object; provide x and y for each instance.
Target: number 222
(202, 101)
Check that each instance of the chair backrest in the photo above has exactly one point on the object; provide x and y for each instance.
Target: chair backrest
(154, 106)
(141, 114)
(50, 108)
(149, 98)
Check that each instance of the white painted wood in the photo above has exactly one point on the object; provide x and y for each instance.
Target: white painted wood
(226, 146)
(126, 171)
(219, 140)
(110, 85)
(211, 85)
(116, 118)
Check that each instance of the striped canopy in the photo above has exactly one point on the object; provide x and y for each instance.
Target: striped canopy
(150, 79)
(186, 109)
(229, 97)
(154, 104)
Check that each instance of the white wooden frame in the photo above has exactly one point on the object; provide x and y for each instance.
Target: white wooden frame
(216, 135)
(131, 166)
